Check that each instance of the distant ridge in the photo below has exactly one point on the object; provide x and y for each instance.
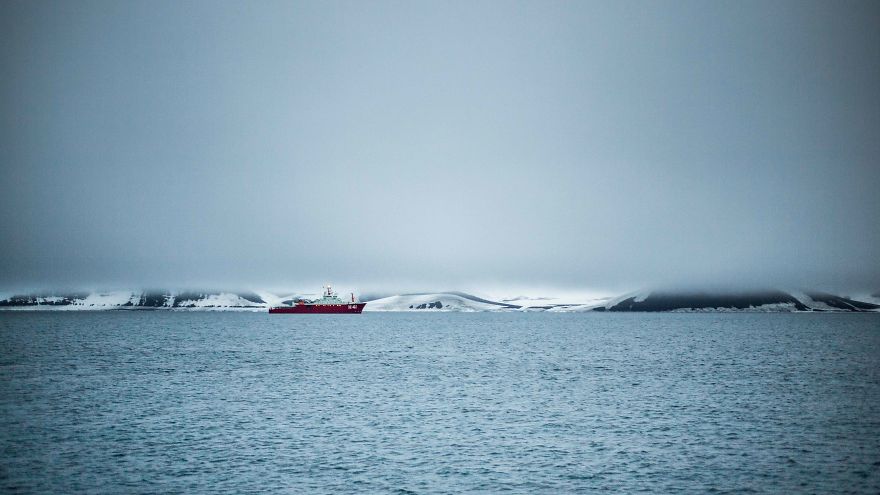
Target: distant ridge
(843, 303)
(437, 301)
(760, 300)
(767, 300)
(666, 301)
(475, 298)
(149, 299)
(374, 297)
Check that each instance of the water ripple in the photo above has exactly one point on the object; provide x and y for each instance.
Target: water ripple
(439, 403)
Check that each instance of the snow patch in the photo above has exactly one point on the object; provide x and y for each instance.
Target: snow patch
(105, 300)
(221, 300)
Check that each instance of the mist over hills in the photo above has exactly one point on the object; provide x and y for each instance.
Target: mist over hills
(453, 301)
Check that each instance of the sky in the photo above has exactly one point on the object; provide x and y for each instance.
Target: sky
(440, 145)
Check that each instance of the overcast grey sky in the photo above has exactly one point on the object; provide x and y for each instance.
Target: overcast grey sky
(439, 144)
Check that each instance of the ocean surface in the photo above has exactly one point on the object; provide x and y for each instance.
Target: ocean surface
(179, 402)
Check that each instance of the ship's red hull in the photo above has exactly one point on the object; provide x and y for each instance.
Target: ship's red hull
(320, 308)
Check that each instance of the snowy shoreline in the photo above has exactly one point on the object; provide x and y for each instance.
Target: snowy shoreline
(772, 301)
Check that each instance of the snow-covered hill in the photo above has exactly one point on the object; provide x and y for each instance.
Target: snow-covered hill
(207, 300)
(557, 303)
(441, 301)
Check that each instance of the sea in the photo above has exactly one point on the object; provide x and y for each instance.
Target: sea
(209, 402)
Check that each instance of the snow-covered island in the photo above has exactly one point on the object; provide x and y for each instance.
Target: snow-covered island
(644, 301)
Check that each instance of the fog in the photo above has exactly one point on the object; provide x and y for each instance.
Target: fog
(440, 145)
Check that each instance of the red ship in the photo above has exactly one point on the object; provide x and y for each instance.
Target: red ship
(328, 303)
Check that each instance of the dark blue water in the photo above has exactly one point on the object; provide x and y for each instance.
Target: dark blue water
(120, 402)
